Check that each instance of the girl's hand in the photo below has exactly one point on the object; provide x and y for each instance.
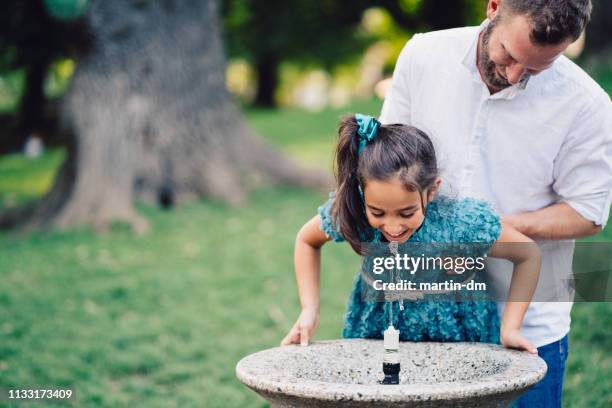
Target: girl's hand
(303, 328)
(512, 338)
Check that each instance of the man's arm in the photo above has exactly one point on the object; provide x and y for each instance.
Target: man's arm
(558, 221)
(582, 172)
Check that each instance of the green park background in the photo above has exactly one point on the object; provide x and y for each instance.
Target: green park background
(160, 319)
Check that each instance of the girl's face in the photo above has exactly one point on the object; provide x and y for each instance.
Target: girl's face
(395, 211)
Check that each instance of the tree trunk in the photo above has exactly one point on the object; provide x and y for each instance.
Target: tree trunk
(267, 80)
(598, 29)
(443, 15)
(33, 100)
(152, 119)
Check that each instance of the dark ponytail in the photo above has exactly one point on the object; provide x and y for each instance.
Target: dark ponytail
(397, 150)
(348, 207)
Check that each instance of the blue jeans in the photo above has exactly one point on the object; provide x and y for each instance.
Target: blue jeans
(547, 393)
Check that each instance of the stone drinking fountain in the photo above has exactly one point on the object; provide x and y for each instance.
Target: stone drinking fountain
(346, 373)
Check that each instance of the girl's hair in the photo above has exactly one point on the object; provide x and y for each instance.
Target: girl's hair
(397, 150)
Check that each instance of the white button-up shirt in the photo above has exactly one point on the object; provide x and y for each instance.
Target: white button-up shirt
(519, 149)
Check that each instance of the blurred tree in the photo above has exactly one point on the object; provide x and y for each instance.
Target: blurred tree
(269, 32)
(440, 15)
(30, 39)
(430, 15)
(151, 117)
(598, 32)
(66, 9)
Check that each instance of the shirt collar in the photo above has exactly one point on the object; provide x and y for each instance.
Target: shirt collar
(469, 61)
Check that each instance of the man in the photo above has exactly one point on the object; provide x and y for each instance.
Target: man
(520, 125)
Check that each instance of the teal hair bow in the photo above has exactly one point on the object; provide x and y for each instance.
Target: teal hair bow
(368, 126)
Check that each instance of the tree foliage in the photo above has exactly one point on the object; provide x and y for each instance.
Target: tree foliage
(268, 33)
(30, 40)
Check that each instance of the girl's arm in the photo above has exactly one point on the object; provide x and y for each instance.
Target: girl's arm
(307, 260)
(525, 254)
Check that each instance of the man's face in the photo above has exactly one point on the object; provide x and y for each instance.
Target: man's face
(506, 54)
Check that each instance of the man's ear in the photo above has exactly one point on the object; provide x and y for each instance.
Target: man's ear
(493, 9)
(434, 189)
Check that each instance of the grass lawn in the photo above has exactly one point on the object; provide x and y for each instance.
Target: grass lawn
(161, 320)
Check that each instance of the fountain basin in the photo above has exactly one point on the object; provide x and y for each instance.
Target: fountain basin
(345, 373)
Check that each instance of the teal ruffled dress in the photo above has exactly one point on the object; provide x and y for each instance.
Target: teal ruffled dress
(447, 220)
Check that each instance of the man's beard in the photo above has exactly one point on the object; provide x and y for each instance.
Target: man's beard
(486, 66)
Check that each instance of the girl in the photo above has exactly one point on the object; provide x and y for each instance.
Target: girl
(387, 180)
